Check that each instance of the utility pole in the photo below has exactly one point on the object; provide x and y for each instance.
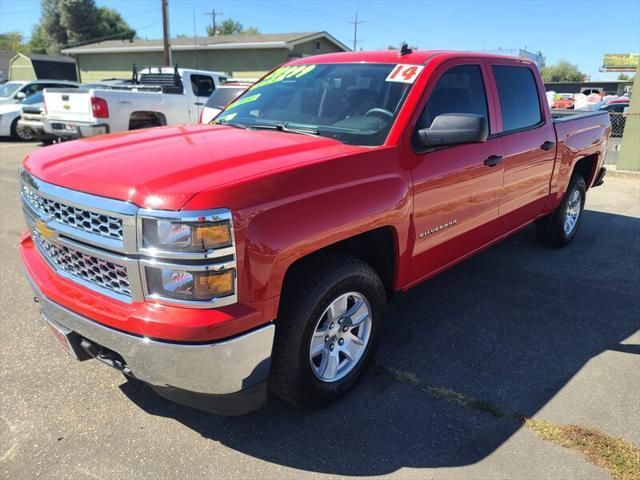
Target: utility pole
(213, 14)
(355, 23)
(166, 58)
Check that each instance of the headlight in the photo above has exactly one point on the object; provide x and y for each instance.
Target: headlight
(188, 257)
(193, 235)
(185, 284)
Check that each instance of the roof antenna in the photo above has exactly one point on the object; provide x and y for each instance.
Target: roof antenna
(404, 50)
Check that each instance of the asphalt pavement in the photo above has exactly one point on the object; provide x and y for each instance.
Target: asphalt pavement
(517, 331)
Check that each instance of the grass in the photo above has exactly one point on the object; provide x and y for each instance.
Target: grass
(620, 458)
(617, 456)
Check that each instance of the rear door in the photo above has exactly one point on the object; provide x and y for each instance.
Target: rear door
(456, 188)
(202, 86)
(528, 139)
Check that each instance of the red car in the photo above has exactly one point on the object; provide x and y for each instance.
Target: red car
(216, 262)
(563, 100)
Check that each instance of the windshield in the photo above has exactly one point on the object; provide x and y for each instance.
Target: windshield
(35, 98)
(9, 88)
(222, 96)
(353, 103)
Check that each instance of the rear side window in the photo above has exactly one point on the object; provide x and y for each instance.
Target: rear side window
(459, 90)
(202, 85)
(518, 93)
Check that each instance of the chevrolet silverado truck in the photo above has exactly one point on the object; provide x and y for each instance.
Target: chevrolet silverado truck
(156, 97)
(218, 262)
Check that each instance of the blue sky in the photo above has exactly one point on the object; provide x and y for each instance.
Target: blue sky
(580, 31)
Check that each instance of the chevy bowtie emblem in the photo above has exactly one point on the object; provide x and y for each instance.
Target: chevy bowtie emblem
(45, 231)
(66, 106)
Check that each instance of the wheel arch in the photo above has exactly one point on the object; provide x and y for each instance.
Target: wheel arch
(146, 118)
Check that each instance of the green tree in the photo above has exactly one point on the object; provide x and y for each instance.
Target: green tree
(623, 76)
(75, 22)
(563, 71)
(231, 27)
(12, 41)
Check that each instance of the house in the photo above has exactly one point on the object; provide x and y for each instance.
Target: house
(35, 66)
(242, 56)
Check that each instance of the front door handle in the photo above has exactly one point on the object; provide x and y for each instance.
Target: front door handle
(493, 160)
(548, 145)
(199, 103)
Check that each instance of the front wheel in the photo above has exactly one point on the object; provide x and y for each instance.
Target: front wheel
(561, 226)
(327, 331)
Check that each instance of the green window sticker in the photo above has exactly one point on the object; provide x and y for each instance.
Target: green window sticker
(226, 118)
(243, 100)
(284, 73)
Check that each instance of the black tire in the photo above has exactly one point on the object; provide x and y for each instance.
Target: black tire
(20, 134)
(310, 289)
(550, 229)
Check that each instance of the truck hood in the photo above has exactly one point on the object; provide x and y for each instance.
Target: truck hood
(163, 168)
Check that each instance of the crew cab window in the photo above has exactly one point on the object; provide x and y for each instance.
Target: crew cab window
(459, 90)
(202, 85)
(518, 94)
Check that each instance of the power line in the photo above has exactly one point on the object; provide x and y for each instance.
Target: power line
(213, 14)
(355, 23)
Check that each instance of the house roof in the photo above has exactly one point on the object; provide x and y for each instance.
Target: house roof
(50, 58)
(219, 42)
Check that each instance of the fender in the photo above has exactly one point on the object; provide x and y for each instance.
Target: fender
(281, 219)
(573, 146)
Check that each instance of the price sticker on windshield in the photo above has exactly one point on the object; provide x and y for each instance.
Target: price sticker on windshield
(404, 73)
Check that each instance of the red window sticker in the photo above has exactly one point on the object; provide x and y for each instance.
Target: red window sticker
(404, 73)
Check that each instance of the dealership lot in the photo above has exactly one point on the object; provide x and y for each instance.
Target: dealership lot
(520, 329)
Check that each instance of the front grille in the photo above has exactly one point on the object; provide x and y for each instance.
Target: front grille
(96, 271)
(85, 220)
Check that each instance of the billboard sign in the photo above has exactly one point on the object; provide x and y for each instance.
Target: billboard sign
(620, 62)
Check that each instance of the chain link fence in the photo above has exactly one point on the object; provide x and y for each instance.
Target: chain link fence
(618, 122)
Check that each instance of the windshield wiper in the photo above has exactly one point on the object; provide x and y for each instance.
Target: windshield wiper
(283, 127)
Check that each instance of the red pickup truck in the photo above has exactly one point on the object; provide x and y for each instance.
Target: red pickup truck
(217, 262)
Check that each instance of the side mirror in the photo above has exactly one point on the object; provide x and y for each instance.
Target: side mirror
(454, 128)
(21, 96)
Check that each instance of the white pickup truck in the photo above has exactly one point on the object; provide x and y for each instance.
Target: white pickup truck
(157, 96)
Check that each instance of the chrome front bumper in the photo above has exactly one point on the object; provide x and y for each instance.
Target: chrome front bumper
(224, 368)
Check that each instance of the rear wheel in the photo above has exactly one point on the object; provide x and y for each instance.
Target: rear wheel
(327, 331)
(560, 227)
(19, 133)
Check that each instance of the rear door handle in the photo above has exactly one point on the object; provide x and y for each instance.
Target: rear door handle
(199, 103)
(493, 160)
(548, 145)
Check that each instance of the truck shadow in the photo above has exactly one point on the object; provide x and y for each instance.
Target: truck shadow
(509, 327)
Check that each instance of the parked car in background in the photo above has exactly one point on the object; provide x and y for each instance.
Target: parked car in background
(30, 124)
(563, 100)
(15, 91)
(11, 114)
(616, 109)
(159, 96)
(221, 97)
(214, 262)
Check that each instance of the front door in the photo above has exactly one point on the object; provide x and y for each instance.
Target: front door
(456, 188)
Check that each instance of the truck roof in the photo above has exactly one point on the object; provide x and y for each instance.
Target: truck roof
(417, 57)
